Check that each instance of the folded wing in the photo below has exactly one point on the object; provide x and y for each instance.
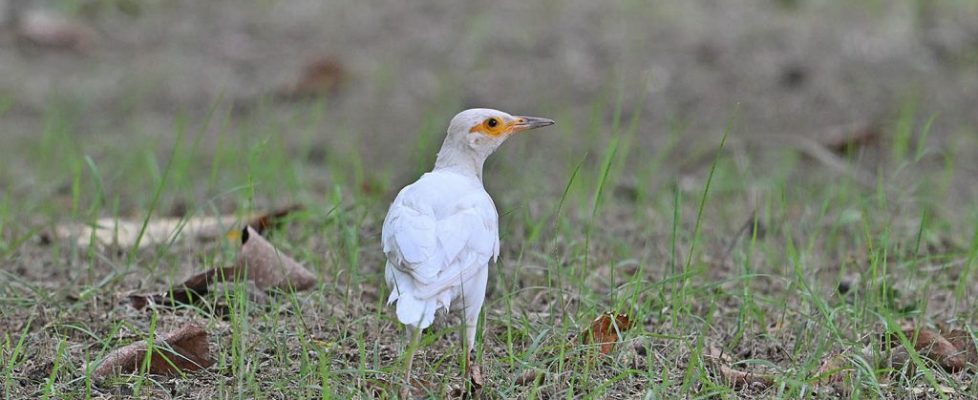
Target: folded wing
(430, 252)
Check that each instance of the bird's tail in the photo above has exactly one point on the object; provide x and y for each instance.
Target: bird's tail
(411, 309)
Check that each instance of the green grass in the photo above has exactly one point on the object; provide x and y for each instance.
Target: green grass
(673, 255)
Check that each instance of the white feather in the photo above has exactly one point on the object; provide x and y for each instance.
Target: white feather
(439, 236)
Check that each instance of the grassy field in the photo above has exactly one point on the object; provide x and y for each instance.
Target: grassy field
(726, 247)
(670, 252)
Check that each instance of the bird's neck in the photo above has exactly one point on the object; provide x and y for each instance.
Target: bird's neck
(460, 161)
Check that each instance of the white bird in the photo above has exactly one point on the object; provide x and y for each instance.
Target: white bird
(442, 231)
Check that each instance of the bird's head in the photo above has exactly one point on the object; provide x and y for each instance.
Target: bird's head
(483, 130)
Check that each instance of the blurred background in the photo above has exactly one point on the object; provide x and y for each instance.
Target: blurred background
(372, 84)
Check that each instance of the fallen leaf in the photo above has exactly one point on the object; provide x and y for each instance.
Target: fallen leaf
(184, 350)
(739, 379)
(932, 345)
(606, 330)
(272, 219)
(262, 263)
(125, 233)
(964, 343)
(925, 391)
(225, 294)
(717, 357)
(529, 377)
(44, 28)
(846, 138)
(193, 288)
(476, 379)
(258, 262)
(320, 76)
(247, 288)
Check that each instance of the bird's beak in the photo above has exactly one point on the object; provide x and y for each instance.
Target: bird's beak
(525, 123)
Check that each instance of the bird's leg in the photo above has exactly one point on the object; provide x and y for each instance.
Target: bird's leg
(474, 296)
(413, 337)
(472, 370)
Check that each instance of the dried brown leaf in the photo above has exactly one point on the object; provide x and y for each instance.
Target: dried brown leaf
(605, 330)
(529, 377)
(845, 138)
(193, 288)
(964, 343)
(183, 350)
(739, 379)
(248, 289)
(125, 233)
(272, 219)
(932, 345)
(262, 263)
(258, 262)
(320, 76)
(927, 391)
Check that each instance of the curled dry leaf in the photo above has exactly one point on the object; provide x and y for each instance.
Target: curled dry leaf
(320, 76)
(262, 263)
(530, 377)
(247, 288)
(193, 288)
(263, 222)
(126, 233)
(606, 330)
(258, 262)
(964, 343)
(928, 391)
(46, 29)
(184, 350)
(931, 345)
(733, 377)
(845, 138)
(751, 380)
(476, 379)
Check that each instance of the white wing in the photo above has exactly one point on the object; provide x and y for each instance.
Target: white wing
(434, 243)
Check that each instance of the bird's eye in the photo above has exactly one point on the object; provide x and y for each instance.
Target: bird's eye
(492, 122)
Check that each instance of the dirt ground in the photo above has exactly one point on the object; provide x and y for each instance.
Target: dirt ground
(787, 67)
(776, 75)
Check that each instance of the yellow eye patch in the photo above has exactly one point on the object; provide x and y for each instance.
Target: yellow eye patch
(493, 126)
